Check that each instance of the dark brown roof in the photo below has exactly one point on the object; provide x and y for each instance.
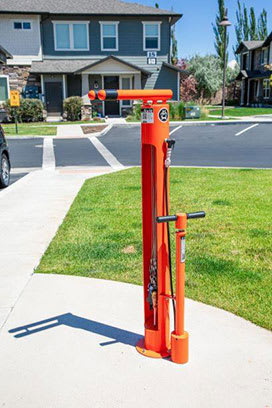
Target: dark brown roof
(253, 74)
(83, 7)
(249, 45)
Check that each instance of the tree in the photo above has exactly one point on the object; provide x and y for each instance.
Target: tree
(262, 25)
(208, 74)
(219, 32)
(238, 28)
(174, 49)
(246, 29)
(188, 88)
(253, 32)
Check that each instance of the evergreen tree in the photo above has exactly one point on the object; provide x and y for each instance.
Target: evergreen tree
(253, 32)
(262, 25)
(238, 28)
(174, 50)
(219, 32)
(246, 30)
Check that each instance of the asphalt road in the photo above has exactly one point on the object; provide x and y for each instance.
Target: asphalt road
(239, 145)
(207, 145)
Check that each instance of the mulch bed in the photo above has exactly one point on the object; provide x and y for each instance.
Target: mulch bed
(87, 130)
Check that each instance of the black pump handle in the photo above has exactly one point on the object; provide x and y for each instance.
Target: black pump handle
(168, 218)
(198, 214)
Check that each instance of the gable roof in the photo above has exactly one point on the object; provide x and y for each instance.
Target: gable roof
(145, 72)
(83, 7)
(4, 52)
(268, 40)
(74, 66)
(249, 45)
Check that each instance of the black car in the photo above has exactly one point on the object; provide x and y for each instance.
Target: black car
(4, 160)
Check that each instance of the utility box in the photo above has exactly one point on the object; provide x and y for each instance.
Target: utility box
(192, 112)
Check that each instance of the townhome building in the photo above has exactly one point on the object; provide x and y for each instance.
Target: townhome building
(255, 72)
(62, 48)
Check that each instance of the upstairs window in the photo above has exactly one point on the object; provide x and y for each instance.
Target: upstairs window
(22, 25)
(264, 56)
(109, 36)
(71, 36)
(152, 36)
(266, 88)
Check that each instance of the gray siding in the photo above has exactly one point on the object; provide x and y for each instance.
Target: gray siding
(130, 38)
(167, 79)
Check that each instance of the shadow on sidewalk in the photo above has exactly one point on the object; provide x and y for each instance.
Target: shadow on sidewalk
(68, 319)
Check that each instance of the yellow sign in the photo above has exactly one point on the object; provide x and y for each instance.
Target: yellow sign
(14, 98)
(270, 80)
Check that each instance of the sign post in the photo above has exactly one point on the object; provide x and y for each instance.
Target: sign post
(15, 103)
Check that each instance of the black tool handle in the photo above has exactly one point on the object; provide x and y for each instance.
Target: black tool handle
(198, 214)
(167, 218)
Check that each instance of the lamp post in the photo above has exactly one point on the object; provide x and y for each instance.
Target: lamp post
(225, 23)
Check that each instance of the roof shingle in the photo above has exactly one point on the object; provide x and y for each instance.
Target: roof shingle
(99, 7)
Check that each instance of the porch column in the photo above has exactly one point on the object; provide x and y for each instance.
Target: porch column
(248, 92)
(85, 88)
(64, 85)
(242, 92)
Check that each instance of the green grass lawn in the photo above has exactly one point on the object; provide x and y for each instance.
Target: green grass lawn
(229, 253)
(26, 129)
(242, 111)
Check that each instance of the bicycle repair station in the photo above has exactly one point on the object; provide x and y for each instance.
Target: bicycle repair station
(156, 148)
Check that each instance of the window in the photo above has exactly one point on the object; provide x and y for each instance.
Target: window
(109, 36)
(152, 36)
(4, 88)
(22, 25)
(266, 88)
(126, 84)
(71, 36)
(264, 56)
(244, 60)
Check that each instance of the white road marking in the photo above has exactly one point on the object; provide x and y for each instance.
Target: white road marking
(108, 156)
(174, 130)
(49, 162)
(245, 130)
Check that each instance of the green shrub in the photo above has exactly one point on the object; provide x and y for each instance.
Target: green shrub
(180, 109)
(30, 110)
(172, 110)
(137, 111)
(72, 107)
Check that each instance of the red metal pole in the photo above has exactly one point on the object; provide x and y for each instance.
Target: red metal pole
(179, 337)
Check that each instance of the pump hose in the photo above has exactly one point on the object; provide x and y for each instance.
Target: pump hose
(169, 243)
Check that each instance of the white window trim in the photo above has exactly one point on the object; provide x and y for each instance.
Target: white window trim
(116, 23)
(159, 35)
(22, 21)
(7, 77)
(265, 49)
(71, 37)
(266, 89)
(130, 87)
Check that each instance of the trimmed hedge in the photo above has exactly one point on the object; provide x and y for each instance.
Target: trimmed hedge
(72, 107)
(30, 110)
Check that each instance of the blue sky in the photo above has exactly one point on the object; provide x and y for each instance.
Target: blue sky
(194, 31)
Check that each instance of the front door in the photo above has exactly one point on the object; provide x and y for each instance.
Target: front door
(53, 97)
(111, 107)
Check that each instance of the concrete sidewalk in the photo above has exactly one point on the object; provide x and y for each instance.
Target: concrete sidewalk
(83, 354)
(31, 211)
